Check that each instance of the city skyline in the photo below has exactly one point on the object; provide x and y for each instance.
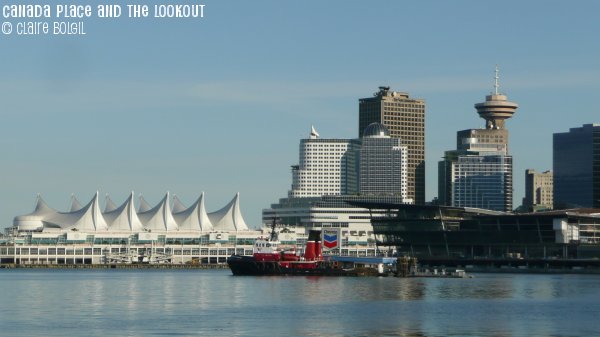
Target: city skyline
(150, 106)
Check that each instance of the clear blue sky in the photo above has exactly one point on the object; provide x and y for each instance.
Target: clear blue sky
(219, 104)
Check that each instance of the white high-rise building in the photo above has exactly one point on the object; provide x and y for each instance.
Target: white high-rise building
(326, 167)
(383, 163)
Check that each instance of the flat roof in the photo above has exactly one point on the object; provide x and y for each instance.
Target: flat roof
(365, 260)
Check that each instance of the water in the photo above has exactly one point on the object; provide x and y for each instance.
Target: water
(214, 303)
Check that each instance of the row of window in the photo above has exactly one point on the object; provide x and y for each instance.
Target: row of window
(337, 166)
(99, 252)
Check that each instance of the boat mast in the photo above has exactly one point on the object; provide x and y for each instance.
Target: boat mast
(273, 235)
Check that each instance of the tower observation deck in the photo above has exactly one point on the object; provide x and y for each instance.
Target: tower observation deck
(496, 108)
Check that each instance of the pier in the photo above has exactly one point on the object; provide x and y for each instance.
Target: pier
(517, 265)
(113, 266)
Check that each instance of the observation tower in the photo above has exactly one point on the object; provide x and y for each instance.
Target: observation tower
(496, 108)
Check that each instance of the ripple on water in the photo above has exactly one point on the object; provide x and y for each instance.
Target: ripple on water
(214, 303)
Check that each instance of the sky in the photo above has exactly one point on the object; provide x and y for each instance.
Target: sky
(219, 104)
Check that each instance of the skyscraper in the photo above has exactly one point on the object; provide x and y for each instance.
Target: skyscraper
(538, 190)
(479, 172)
(476, 177)
(405, 119)
(576, 165)
(383, 163)
(326, 167)
(325, 183)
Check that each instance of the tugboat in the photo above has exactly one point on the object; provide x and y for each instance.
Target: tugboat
(268, 259)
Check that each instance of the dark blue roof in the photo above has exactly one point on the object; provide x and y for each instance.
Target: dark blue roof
(376, 130)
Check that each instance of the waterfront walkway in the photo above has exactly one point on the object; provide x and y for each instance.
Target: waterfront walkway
(113, 266)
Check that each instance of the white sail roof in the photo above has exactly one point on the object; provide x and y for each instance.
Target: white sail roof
(109, 205)
(34, 220)
(144, 205)
(178, 206)
(193, 218)
(75, 204)
(160, 217)
(124, 218)
(229, 218)
(41, 208)
(88, 218)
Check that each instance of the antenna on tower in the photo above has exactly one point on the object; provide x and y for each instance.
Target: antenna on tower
(496, 85)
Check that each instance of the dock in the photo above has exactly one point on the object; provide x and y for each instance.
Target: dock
(115, 266)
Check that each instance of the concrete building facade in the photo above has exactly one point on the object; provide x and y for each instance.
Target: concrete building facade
(538, 190)
(405, 118)
(326, 167)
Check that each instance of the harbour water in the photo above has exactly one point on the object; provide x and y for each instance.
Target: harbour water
(214, 303)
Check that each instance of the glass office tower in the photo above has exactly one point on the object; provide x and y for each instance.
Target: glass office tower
(383, 163)
(576, 166)
(479, 172)
(482, 181)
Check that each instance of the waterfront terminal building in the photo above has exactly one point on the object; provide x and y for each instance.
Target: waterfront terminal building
(334, 212)
(172, 233)
(120, 234)
(471, 236)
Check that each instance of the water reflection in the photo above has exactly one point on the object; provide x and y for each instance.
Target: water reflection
(214, 303)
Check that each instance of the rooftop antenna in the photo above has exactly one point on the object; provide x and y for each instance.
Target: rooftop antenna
(496, 85)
